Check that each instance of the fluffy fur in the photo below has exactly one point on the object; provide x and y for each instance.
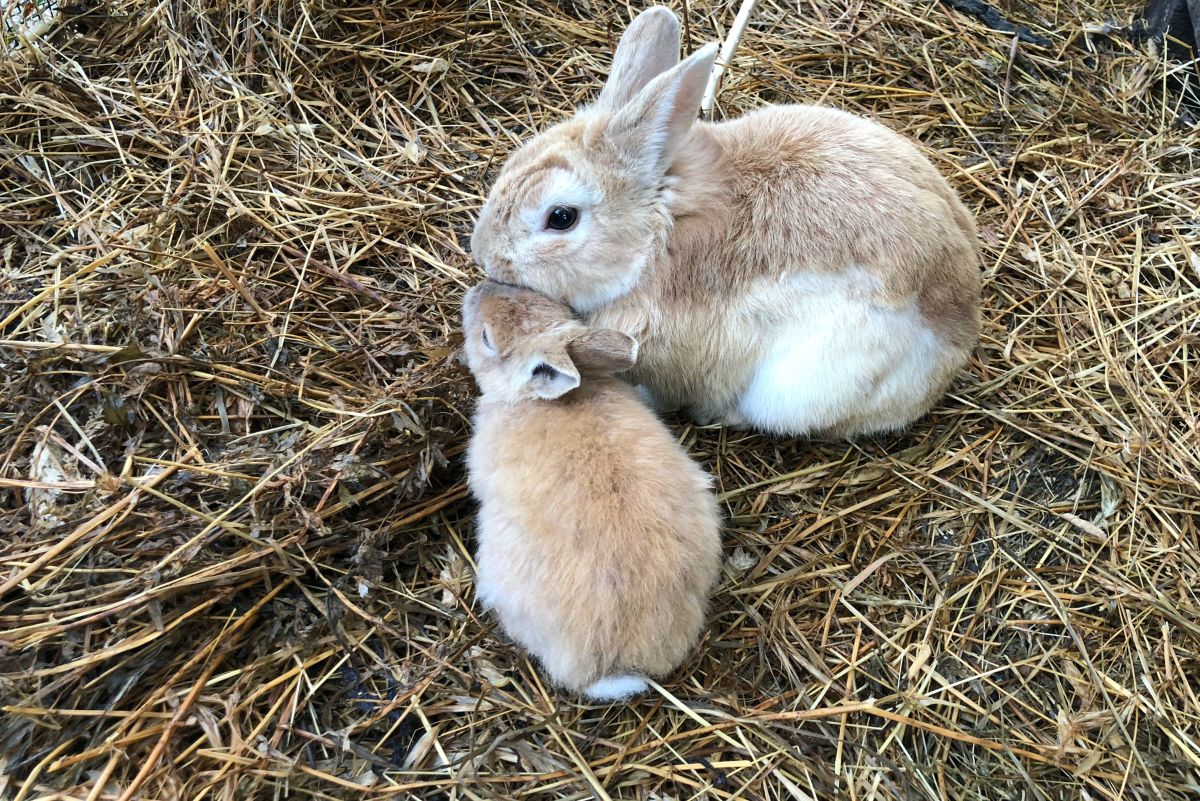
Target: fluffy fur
(799, 270)
(599, 539)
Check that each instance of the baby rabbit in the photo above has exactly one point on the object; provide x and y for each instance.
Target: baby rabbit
(798, 270)
(599, 539)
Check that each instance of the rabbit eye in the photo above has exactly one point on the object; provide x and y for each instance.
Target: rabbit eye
(487, 341)
(562, 218)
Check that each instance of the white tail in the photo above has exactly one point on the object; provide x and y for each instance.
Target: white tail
(616, 688)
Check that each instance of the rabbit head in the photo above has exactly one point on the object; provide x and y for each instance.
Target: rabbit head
(521, 344)
(577, 211)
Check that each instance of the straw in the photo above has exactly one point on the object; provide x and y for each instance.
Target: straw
(237, 547)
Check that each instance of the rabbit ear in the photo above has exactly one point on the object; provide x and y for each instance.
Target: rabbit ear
(649, 46)
(604, 350)
(552, 375)
(651, 127)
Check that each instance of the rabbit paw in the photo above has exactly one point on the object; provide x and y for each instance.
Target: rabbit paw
(731, 419)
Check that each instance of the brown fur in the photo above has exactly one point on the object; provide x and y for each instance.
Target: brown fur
(845, 202)
(783, 192)
(598, 537)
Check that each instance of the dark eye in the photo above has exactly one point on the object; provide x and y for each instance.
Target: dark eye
(487, 342)
(562, 218)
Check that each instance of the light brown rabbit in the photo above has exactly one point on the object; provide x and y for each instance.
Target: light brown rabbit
(599, 539)
(798, 270)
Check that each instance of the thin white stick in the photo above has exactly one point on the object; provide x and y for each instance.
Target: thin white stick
(726, 55)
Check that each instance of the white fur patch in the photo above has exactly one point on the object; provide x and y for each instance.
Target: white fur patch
(616, 688)
(840, 358)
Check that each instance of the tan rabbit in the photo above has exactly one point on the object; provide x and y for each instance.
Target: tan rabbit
(599, 539)
(798, 270)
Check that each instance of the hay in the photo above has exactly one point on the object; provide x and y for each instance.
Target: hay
(238, 547)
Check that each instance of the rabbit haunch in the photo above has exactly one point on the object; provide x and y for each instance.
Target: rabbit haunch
(735, 251)
(598, 538)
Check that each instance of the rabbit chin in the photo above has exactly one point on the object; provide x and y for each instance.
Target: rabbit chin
(586, 300)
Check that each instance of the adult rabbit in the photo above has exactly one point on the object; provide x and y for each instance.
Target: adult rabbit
(797, 270)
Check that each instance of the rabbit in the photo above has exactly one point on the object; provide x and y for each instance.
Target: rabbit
(796, 271)
(598, 537)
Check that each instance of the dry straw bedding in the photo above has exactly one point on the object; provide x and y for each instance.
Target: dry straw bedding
(236, 559)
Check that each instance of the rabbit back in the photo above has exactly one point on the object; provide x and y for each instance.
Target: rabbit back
(598, 538)
(823, 279)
